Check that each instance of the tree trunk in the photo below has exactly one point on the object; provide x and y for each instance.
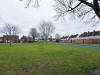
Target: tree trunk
(10, 40)
(33, 38)
(96, 8)
(97, 13)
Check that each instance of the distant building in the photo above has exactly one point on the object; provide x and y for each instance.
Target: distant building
(86, 37)
(64, 38)
(25, 39)
(1, 39)
(8, 39)
(72, 37)
(30, 39)
(90, 35)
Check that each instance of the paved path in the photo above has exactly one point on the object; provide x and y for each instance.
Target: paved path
(79, 45)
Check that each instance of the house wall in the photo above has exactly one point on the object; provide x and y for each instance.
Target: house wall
(68, 41)
(86, 41)
(77, 41)
(7, 40)
(13, 40)
(90, 37)
(98, 41)
(91, 41)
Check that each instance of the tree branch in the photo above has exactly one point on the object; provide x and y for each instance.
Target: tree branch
(75, 7)
(87, 3)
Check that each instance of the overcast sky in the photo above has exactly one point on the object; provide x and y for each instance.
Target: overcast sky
(14, 12)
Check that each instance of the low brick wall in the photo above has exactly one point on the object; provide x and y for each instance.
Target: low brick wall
(77, 41)
(68, 41)
(98, 41)
(90, 41)
(94, 41)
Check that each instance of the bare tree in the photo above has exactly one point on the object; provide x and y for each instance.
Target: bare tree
(9, 30)
(46, 29)
(57, 37)
(33, 33)
(31, 2)
(50, 38)
(88, 9)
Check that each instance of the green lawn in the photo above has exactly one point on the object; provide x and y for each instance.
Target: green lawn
(47, 59)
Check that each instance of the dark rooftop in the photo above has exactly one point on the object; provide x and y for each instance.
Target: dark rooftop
(94, 33)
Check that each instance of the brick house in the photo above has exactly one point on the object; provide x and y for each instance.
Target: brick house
(72, 37)
(64, 38)
(25, 39)
(90, 35)
(8, 39)
(86, 37)
(1, 39)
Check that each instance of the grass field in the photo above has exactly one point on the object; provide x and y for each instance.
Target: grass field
(47, 59)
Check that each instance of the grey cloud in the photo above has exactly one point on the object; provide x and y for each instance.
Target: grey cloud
(13, 11)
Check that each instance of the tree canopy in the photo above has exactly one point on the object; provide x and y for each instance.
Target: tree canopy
(88, 9)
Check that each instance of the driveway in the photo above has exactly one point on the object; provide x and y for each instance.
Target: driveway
(79, 45)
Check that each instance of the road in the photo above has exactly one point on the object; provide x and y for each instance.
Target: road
(80, 45)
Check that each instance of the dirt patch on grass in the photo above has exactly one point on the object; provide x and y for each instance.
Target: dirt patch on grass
(42, 64)
(96, 72)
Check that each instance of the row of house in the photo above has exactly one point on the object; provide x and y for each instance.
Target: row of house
(86, 37)
(91, 37)
(15, 39)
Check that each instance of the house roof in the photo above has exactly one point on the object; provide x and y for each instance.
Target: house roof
(73, 36)
(94, 33)
(1, 37)
(10, 36)
(25, 37)
(64, 37)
